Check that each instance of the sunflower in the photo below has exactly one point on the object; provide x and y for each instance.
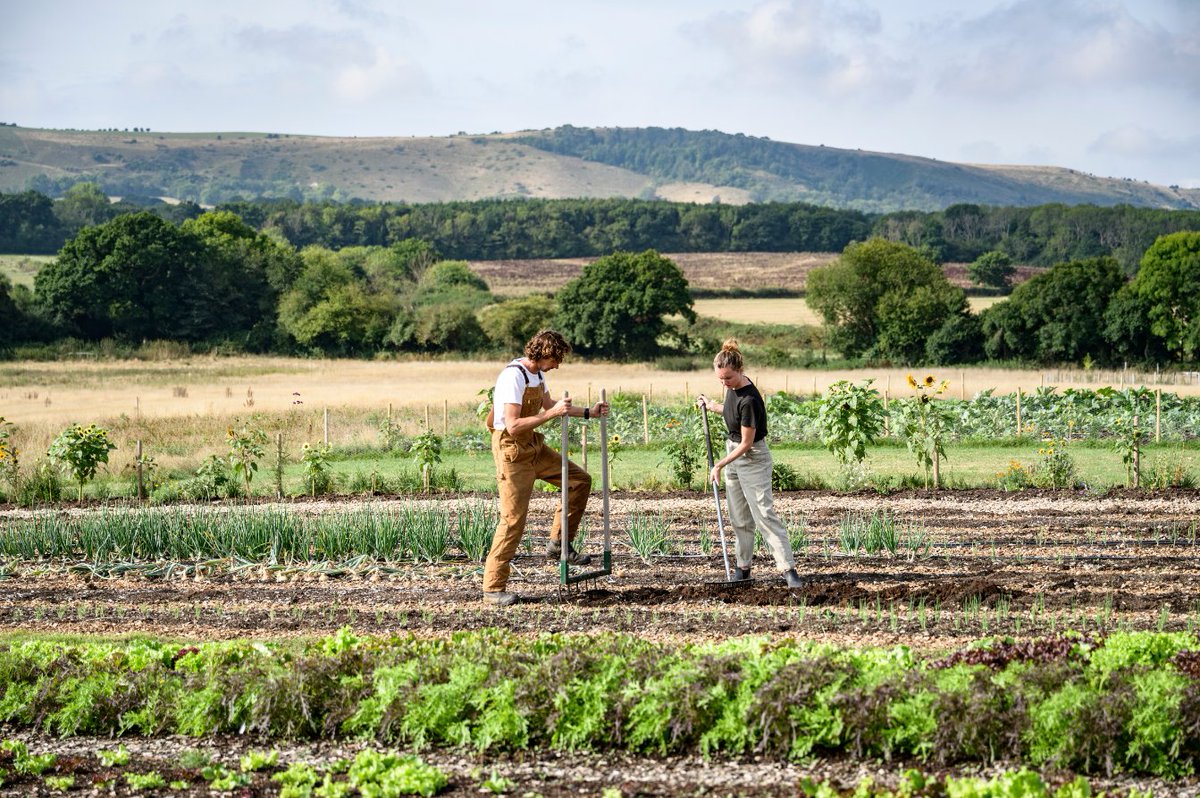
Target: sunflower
(929, 381)
(911, 382)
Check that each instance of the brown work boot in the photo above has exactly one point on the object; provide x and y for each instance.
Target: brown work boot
(554, 552)
(500, 599)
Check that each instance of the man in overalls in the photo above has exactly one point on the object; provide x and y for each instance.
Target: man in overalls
(521, 404)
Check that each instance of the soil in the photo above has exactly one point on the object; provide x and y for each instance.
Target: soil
(1024, 565)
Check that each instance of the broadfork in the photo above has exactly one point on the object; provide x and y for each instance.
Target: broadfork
(567, 580)
(729, 580)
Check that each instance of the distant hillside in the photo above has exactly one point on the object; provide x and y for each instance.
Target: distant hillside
(673, 164)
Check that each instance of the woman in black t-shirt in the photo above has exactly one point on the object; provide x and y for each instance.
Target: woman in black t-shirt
(747, 464)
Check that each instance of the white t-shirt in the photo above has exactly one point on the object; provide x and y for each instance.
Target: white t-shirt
(510, 389)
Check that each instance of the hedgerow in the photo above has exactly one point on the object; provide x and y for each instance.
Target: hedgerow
(1117, 704)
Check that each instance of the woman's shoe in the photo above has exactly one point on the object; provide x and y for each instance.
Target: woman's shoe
(793, 579)
(741, 574)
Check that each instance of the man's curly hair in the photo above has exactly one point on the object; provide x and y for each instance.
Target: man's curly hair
(547, 345)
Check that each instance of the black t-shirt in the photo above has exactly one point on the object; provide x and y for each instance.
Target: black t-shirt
(745, 408)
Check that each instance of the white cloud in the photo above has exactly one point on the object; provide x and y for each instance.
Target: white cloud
(1133, 141)
(804, 45)
(1034, 46)
(383, 75)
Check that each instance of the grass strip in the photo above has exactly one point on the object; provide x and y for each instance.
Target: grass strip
(1126, 703)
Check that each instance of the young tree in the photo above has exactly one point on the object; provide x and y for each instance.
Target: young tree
(617, 306)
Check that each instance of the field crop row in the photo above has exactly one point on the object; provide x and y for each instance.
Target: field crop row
(1125, 703)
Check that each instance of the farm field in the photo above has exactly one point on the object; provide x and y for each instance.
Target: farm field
(89, 390)
(969, 565)
(20, 269)
(332, 627)
(786, 310)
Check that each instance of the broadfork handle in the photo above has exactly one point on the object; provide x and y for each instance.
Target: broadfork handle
(562, 526)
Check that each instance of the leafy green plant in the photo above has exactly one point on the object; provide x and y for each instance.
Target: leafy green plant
(850, 418)
(59, 783)
(253, 761)
(314, 461)
(683, 449)
(115, 758)
(81, 451)
(246, 447)
(389, 434)
(427, 451)
(222, 779)
(145, 781)
(297, 781)
(497, 783)
(376, 774)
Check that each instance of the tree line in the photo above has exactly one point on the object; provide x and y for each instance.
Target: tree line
(886, 301)
(215, 281)
(32, 223)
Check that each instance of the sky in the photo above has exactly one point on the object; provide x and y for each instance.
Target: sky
(1108, 87)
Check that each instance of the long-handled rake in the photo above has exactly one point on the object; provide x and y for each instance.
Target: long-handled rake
(568, 580)
(729, 580)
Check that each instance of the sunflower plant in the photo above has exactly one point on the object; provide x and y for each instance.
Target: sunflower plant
(924, 424)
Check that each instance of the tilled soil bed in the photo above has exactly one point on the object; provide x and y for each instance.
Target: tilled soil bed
(988, 563)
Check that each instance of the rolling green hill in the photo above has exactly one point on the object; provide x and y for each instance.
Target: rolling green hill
(675, 164)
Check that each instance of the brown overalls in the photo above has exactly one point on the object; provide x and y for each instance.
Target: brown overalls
(520, 461)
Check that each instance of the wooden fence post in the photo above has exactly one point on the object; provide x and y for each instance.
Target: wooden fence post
(887, 419)
(141, 485)
(1158, 415)
(1137, 456)
(279, 465)
(327, 426)
(1018, 411)
(962, 385)
(645, 422)
(445, 417)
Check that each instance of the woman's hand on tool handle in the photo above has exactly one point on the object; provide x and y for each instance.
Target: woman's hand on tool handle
(714, 476)
(599, 409)
(709, 404)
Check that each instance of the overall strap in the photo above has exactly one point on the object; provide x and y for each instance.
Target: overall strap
(524, 371)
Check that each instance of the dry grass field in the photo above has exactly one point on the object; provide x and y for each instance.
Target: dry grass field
(787, 310)
(85, 391)
(705, 271)
(20, 269)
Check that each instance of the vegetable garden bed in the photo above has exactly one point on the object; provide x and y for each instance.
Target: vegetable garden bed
(1089, 605)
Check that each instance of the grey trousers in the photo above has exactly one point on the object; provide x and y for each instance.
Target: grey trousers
(748, 493)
